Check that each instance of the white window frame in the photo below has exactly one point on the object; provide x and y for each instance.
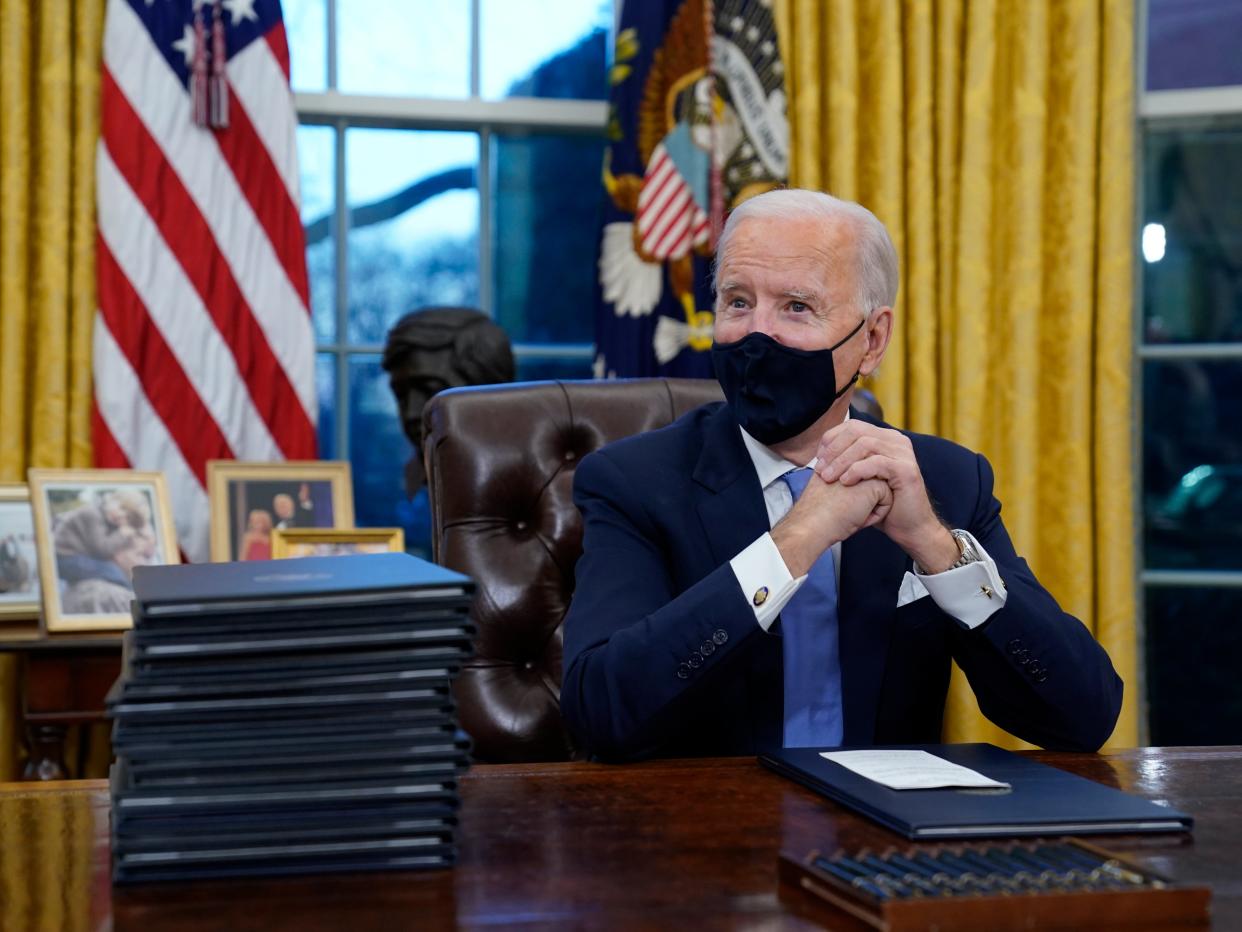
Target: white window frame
(472, 114)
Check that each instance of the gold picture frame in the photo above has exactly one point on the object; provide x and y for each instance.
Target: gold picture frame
(20, 598)
(90, 537)
(248, 501)
(317, 542)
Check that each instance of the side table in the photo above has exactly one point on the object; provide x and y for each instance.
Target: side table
(63, 679)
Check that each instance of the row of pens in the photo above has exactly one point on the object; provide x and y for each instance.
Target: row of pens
(978, 870)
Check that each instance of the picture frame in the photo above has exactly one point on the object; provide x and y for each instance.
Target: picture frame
(248, 501)
(20, 596)
(316, 542)
(92, 527)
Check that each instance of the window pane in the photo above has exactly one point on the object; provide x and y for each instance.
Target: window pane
(414, 230)
(537, 368)
(317, 167)
(378, 451)
(1193, 697)
(1192, 235)
(544, 48)
(544, 230)
(1192, 463)
(306, 27)
(1193, 43)
(405, 48)
(325, 387)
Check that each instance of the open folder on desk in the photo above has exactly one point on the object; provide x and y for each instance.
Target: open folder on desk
(1040, 799)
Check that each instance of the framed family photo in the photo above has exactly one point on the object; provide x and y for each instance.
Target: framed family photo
(92, 527)
(331, 542)
(19, 558)
(249, 501)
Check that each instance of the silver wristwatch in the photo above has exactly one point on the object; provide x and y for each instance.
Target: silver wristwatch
(969, 553)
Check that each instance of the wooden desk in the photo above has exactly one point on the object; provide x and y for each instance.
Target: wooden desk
(63, 680)
(659, 845)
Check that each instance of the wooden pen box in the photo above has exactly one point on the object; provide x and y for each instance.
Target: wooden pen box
(1121, 895)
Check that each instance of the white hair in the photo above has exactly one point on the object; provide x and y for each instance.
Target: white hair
(876, 256)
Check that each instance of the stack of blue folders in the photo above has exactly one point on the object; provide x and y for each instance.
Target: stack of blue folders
(289, 717)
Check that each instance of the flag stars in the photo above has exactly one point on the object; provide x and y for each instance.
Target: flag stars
(241, 9)
(753, 33)
(766, 47)
(736, 24)
(185, 45)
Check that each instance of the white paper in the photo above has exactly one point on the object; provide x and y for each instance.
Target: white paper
(910, 770)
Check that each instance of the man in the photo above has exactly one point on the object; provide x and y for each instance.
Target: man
(713, 614)
(290, 514)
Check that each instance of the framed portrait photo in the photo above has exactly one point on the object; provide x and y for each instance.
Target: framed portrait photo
(19, 558)
(92, 527)
(331, 542)
(249, 501)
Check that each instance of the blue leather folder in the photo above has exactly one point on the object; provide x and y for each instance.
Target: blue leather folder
(286, 585)
(1042, 800)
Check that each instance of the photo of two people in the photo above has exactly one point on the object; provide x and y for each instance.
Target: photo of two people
(276, 505)
(92, 528)
(251, 501)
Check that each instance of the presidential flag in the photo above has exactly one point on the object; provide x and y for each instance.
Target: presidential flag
(696, 125)
(203, 347)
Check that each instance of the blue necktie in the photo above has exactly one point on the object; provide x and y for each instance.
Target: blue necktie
(812, 659)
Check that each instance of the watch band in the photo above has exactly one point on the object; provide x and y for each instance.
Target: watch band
(969, 553)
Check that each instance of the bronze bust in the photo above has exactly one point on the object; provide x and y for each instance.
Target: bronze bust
(435, 348)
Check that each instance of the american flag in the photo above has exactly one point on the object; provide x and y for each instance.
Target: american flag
(203, 346)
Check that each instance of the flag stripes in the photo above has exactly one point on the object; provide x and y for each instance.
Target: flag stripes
(203, 341)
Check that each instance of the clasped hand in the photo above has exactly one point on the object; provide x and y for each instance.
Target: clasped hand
(866, 476)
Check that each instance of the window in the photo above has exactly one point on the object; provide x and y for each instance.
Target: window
(450, 155)
(1190, 352)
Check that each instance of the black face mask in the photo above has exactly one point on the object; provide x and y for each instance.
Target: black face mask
(776, 391)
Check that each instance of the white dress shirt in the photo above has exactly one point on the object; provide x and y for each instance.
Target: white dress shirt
(970, 593)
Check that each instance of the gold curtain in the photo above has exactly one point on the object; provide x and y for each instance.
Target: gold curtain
(49, 125)
(995, 140)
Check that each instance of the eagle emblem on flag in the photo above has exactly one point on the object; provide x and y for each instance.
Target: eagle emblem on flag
(697, 124)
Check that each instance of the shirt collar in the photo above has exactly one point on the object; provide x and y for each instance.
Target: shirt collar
(770, 465)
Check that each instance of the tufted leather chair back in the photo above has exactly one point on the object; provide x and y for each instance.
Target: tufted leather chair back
(500, 463)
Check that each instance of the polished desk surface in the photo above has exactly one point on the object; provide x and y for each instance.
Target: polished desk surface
(652, 845)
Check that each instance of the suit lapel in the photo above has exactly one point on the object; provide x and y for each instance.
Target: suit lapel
(729, 499)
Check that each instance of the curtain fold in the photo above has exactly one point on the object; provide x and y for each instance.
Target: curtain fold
(49, 126)
(995, 140)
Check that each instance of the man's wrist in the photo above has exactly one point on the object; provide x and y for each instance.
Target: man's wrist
(795, 548)
(940, 552)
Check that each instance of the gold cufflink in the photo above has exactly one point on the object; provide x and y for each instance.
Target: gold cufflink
(761, 595)
(986, 591)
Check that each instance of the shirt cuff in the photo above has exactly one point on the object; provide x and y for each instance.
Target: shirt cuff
(970, 593)
(765, 579)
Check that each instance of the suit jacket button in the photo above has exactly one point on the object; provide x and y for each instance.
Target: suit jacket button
(1043, 675)
(695, 659)
(720, 636)
(683, 671)
(1014, 646)
(707, 648)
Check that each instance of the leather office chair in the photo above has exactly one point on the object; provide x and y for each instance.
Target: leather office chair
(500, 462)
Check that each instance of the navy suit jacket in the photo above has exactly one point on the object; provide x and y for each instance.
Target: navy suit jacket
(663, 514)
